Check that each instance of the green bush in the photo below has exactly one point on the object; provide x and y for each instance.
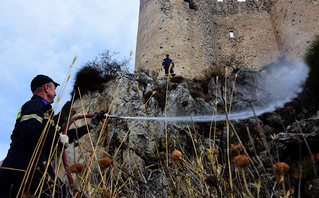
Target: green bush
(312, 59)
(94, 73)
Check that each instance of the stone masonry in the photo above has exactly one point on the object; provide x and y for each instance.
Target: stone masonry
(204, 36)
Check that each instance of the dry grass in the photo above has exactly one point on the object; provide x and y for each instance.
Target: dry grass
(197, 170)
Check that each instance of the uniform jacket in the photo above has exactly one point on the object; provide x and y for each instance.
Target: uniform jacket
(33, 119)
(166, 62)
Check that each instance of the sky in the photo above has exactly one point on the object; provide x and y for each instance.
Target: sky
(43, 37)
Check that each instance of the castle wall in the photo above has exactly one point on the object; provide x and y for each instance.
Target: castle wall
(296, 22)
(204, 36)
(168, 27)
(254, 41)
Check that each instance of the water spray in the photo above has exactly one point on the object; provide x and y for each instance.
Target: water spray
(283, 82)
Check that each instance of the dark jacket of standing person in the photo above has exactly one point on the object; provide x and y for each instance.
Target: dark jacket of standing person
(166, 63)
(34, 127)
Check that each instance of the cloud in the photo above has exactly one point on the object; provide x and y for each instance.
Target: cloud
(44, 36)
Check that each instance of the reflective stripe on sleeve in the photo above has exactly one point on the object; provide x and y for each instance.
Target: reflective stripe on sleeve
(31, 116)
(47, 117)
(19, 114)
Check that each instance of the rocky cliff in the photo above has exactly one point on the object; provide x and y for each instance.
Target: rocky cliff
(162, 156)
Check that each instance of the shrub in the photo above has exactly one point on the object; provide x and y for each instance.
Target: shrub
(141, 81)
(147, 95)
(184, 103)
(159, 96)
(87, 79)
(143, 70)
(97, 72)
(196, 94)
(177, 79)
(109, 67)
(207, 98)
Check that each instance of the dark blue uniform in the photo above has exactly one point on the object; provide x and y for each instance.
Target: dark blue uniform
(31, 122)
(166, 63)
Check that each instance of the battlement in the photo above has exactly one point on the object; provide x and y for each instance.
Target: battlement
(203, 35)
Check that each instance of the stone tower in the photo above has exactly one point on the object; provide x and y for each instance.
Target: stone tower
(203, 36)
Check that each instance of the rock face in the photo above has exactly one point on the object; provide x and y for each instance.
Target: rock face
(140, 147)
(203, 35)
(125, 98)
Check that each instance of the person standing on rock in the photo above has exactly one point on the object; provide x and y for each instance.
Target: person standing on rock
(167, 63)
(35, 127)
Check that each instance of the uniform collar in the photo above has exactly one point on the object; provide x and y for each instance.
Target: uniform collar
(45, 102)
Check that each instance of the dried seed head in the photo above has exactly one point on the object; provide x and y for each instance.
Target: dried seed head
(281, 166)
(237, 148)
(213, 151)
(76, 168)
(241, 161)
(196, 127)
(105, 163)
(176, 155)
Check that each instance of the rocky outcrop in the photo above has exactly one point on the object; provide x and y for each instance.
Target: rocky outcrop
(140, 147)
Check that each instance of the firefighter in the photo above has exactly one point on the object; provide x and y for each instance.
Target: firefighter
(166, 64)
(31, 123)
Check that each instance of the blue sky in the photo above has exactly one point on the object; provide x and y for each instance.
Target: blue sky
(43, 37)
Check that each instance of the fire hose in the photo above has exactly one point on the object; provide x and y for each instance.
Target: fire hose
(65, 161)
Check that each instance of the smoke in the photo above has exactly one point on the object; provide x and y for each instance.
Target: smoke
(282, 82)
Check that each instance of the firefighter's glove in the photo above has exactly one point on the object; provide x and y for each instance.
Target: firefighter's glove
(64, 139)
(98, 116)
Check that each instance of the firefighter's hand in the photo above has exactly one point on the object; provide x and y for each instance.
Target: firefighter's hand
(64, 139)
